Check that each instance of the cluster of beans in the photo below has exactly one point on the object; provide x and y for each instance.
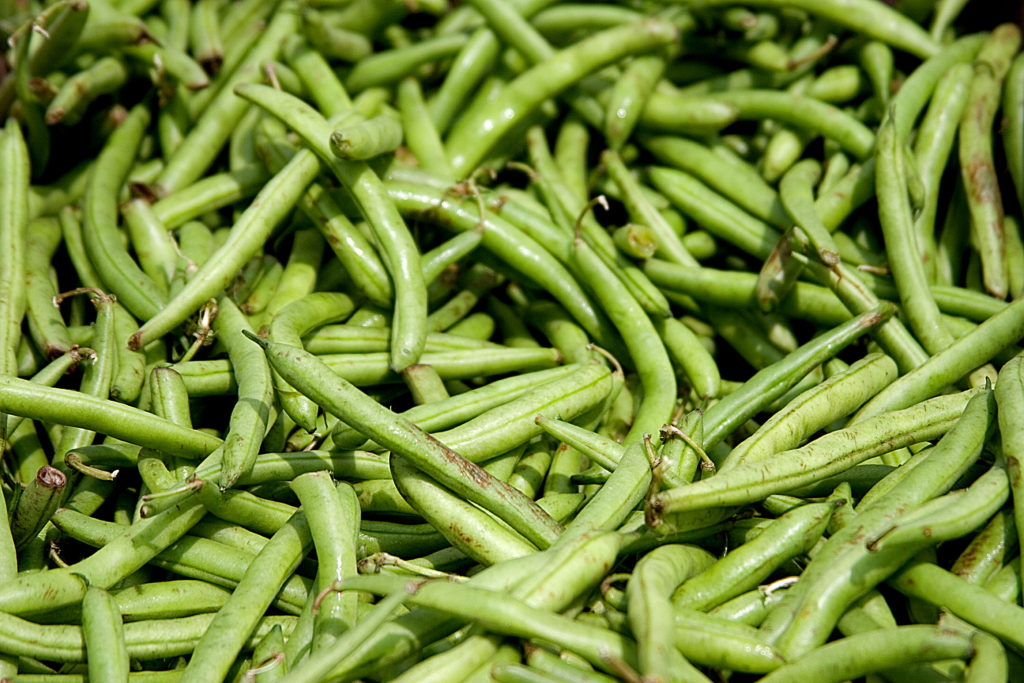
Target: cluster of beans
(511, 340)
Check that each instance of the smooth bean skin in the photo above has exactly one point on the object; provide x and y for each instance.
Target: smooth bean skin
(865, 653)
(104, 637)
(400, 254)
(470, 141)
(817, 407)
(835, 451)
(450, 469)
(830, 582)
(650, 614)
(792, 534)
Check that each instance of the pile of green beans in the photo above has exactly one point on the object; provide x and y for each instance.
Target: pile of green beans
(661, 341)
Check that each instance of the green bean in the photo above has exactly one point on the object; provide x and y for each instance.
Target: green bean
(316, 667)
(932, 148)
(97, 377)
(384, 68)
(711, 641)
(276, 198)
(118, 558)
(950, 516)
(232, 625)
(350, 339)
(770, 383)
(881, 23)
(354, 251)
(669, 244)
(474, 284)
(804, 112)
(839, 84)
(597, 448)
(34, 504)
(63, 27)
(792, 534)
(984, 555)
(471, 140)
(650, 614)
(801, 626)
(504, 614)
(966, 353)
(797, 195)
(63, 406)
(511, 245)
(819, 458)
(136, 290)
(254, 412)
(402, 437)
(905, 261)
(422, 138)
(783, 149)
(364, 139)
(968, 601)
(875, 651)
(1012, 129)
(723, 175)
(645, 346)
(45, 324)
(105, 76)
(208, 194)
(1009, 396)
(104, 637)
(268, 656)
(479, 535)
(734, 289)
(400, 255)
(204, 36)
(333, 516)
(818, 407)
(976, 165)
(13, 224)
(145, 640)
(213, 128)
